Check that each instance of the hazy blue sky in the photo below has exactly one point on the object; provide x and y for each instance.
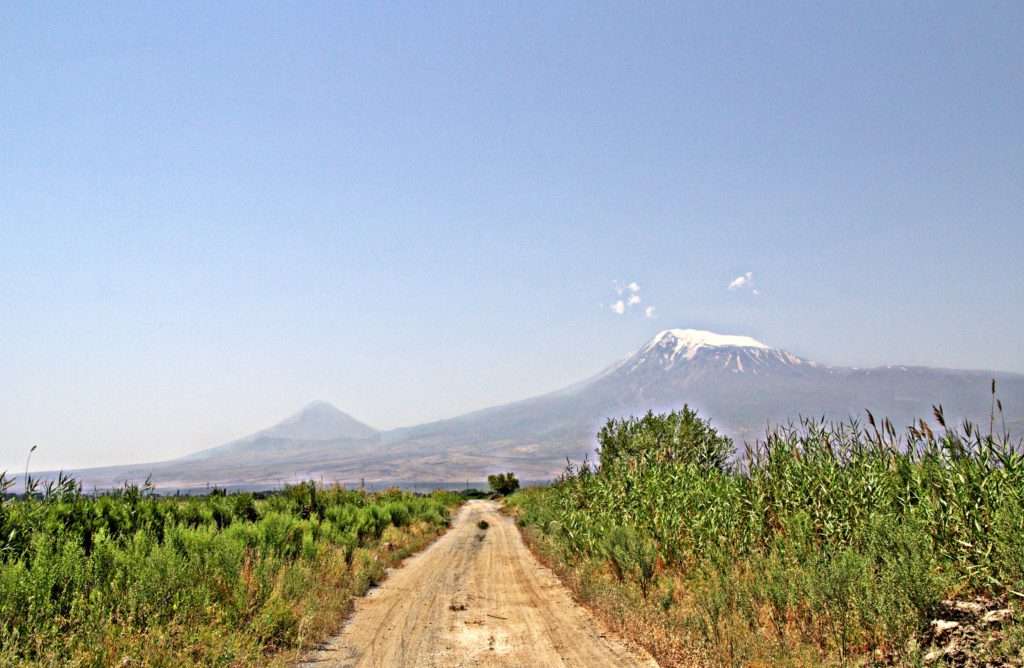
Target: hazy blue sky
(213, 213)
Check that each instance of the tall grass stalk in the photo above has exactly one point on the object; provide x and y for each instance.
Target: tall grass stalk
(838, 539)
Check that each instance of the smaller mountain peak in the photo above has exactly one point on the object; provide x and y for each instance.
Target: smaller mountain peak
(319, 420)
(318, 406)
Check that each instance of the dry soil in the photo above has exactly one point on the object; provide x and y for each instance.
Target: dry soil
(476, 597)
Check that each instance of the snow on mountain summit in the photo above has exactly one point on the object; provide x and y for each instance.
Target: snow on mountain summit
(689, 341)
(675, 348)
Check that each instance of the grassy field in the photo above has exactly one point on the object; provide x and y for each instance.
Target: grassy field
(825, 544)
(134, 579)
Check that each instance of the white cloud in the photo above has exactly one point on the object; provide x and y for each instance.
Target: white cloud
(756, 292)
(742, 281)
(629, 296)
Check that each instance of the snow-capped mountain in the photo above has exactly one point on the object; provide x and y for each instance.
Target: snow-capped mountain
(672, 344)
(685, 348)
(738, 382)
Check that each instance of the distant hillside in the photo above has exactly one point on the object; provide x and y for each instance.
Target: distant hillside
(317, 424)
(740, 383)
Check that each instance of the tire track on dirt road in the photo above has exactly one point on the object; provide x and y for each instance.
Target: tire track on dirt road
(476, 597)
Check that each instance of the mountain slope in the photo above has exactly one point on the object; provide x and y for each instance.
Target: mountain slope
(315, 426)
(740, 383)
(294, 449)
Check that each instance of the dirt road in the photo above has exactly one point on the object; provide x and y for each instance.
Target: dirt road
(474, 598)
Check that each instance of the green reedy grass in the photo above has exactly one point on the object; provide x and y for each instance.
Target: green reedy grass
(841, 540)
(217, 580)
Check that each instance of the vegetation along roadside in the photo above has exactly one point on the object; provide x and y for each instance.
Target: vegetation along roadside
(135, 579)
(826, 544)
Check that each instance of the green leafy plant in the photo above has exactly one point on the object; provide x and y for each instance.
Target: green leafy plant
(503, 483)
(128, 576)
(824, 540)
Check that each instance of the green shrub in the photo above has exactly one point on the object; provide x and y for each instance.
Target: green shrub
(838, 535)
(503, 483)
(92, 580)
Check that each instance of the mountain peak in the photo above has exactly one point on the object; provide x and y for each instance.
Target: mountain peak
(684, 348)
(318, 406)
(319, 420)
(689, 341)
